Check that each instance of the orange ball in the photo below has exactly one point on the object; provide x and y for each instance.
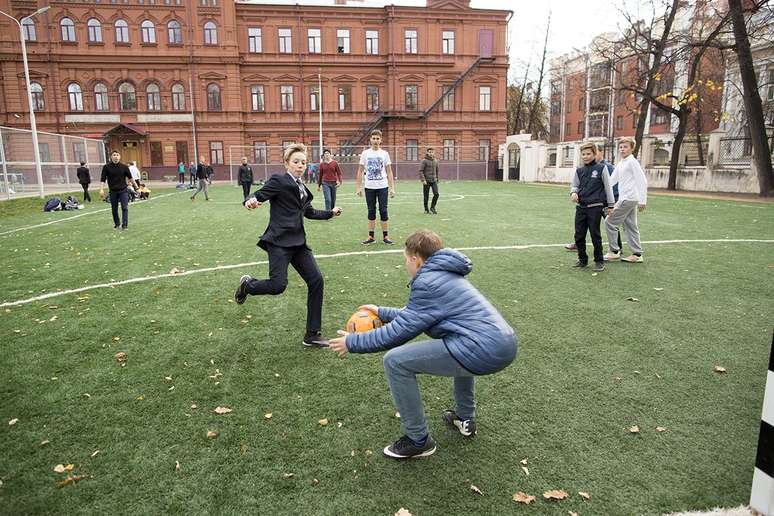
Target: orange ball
(363, 321)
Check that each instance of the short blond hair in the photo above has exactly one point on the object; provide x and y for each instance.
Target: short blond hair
(423, 243)
(629, 140)
(589, 145)
(291, 149)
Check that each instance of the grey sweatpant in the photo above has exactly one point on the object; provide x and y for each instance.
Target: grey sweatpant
(626, 213)
(203, 185)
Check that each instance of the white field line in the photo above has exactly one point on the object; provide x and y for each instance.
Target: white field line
(113, 284)
(81, 215)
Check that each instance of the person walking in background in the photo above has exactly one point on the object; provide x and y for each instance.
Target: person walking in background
(115, 174)
(135, 174)
(428, 173)
(210, 172)
(192, 174)
(329, 179)
(245, 178)
(181, 172)
(203, 184)
(84, 178)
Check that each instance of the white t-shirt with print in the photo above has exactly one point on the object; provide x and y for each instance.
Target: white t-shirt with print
(375, 166)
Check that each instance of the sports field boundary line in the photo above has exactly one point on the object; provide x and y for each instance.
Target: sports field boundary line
(142, 279)
(102, 210)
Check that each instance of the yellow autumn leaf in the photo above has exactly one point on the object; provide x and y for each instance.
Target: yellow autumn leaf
(555, 494)
(584, 495)
(475, 489)
(222, 410)
(323, 422)
(524, 498)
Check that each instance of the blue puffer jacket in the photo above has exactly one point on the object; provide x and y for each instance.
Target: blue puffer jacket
(446, 306)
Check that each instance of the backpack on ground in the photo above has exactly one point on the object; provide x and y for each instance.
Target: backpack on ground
(53, 204)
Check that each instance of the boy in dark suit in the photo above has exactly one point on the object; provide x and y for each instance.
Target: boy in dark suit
(285, 241)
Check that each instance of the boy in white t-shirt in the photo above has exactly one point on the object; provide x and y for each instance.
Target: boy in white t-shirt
(376, 166)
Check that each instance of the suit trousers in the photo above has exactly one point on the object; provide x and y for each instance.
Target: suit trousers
(302, 260)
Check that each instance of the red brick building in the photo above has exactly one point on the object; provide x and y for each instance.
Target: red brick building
(145, 74)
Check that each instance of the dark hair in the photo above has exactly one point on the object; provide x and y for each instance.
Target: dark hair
(114, 151)
(423, 243)
(327, 150)
(83, 163)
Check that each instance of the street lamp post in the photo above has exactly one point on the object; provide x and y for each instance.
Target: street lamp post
(33, 125)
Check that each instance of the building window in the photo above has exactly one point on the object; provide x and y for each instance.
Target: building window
(38, 103)
(619, 124)
(410, 37)
(342, 41)
(285, 41)
(580, 128)
(483, 150)
(213, 97)
(344, 95)
(210, 33)
(254, 42)
(286, 98)
(28, 28)
(178, 97)
(315, 158)
(95, 30)
(75, 97)
(372, 42)
(581, 101)
(259, 149)
(157, 155)
(447, 46)
(79, 152)
(216, 153)
(661, 117)
(122, 31)
(68, 29)
(45, 152)
(153, 97)
(448, 150)
(315, 41)
(567, 130)
(258, 101)
(620, 97)
(485, 98)
(372, 98)
(286, 144)
(314, 98)
(447, 104)
(174, 33)
(127, 100)
(101, 97)
(412, 150)
(770, 93)
(412, 98)
(148, 31)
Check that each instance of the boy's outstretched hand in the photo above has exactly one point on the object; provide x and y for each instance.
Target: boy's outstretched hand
(339, 344)
(252, 203)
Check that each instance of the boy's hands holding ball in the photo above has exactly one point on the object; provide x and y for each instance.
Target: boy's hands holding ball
(339, 344)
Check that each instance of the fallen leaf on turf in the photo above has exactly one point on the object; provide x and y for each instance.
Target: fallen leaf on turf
(59, 468)
(86, 395)
(475, 489)
(523, 498)
(44, 442)
(403, 512)
(555, 494)
(140, 397)
(222, 410)
(525, 470)
(368, 453)
(211, 434)
(175, 270)
(323, 422)
(523, 461)
(288, 475)
(194, 406)
(70, 480)
(177, 466)
(268, 415)
(13, 421)
(339, 424)
(658, 289)
(210, 334)
(171, 388)
(660, 429)
(168, 378)
(634, 299)
(53, 318)
(720, 369)
(397, 414)
(584, 495)
(116, 339)
(634, 429)
(94, 453)
(572, 513)
(212, 362)
(120, 357)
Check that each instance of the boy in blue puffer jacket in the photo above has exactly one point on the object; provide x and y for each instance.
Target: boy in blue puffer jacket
(469, 338)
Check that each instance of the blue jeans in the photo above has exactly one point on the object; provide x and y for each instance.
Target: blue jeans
(401, 366)
(329, 192)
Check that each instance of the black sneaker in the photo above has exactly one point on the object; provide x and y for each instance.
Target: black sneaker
(467, 427)
(427, 212)
(404, 448)
(368, 241)
(432, 210)
(599, 266)
(241, 293)
(388, 241)
(315, 340)
(579, 264)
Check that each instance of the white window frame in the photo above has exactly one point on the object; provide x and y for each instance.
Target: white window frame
(255, 40)
(94, 29)
(372, 42)
(258, 97)
(285, 42)
(314, 39)
(342, 41)
(485, 98)
(447, 42)
(101, 101)
(178, 97)
(75, 96)
(210, 33)
(148, 32)
(67, 31)
(411, 41)
(286, 98)
(122, 31)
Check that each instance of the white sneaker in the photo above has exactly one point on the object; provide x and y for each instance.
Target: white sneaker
(633, 259)
(612, 255)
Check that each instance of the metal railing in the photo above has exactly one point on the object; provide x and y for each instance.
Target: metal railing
(735, 151)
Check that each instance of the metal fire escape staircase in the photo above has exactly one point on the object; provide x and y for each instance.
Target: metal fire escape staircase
(362, 135)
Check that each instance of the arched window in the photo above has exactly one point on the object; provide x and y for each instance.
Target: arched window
(122, 31)
(95, 30)
(75, 96)
(213, 97)
(178, 97)
(153, 94)
(28, 27)
(101, 97)
(210, 33)
(175, 33)
(37, 96)
(68, 29)
(127, 100)
(148, 32)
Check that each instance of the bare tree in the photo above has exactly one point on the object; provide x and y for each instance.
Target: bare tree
(534, 111)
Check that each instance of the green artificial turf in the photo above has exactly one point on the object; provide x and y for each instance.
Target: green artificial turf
(591, 363)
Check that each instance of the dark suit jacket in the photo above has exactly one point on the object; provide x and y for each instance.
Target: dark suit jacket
(83, 175)
(287, 212)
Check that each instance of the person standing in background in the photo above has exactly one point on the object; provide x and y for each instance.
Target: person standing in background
(84, 178)
(245, 178)
(329, 179)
